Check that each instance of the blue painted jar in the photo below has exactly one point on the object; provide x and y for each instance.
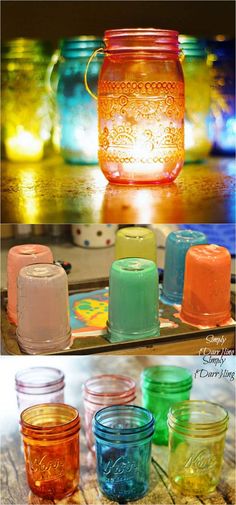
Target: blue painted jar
(76, 130)
(123, 437)
(222, 119)
(177, 244)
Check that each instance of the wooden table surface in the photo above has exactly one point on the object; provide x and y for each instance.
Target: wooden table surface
(14, 489)
(52, 192)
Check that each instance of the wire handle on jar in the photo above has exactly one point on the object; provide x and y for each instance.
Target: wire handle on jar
(53, 62)
(93, 55)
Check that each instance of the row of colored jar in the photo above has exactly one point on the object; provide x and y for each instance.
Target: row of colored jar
(196, 275)
(140, 121)
(122, 433)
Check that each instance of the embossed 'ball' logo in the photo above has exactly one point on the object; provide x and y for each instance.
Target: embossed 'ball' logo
(47, 467)
(120, 467)
(201, 460)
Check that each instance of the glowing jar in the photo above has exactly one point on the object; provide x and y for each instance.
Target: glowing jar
(197, 432)
(39, 384)
(51, 446)
(162, 386)
(76, 121)
(123, 450)
(222, 121)
(197, 98)
(103, 391)
(26, 120)
(141, 107)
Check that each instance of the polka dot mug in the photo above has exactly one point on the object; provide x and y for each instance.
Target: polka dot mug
(94, 235)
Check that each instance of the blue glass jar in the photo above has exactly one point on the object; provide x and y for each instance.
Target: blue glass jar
(76, 131)
(177, 245)
(123, 437)
(222, 119)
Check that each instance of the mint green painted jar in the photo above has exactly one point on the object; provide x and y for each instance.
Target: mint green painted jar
(133, 300)
(162, 387)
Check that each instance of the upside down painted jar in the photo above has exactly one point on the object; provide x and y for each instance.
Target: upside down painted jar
(197, 432)
(51, 446)
(123, 449)
(162, 386)
(206, 296)
(103, 391)
(141, 107)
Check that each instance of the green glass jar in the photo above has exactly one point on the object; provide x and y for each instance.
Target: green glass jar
(162, 387)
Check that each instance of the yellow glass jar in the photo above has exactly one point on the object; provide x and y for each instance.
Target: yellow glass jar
(26, 118)
(197, 98)
(136, 242)
(196, 446)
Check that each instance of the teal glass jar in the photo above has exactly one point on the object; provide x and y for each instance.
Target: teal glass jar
(123, 451)
(75, 124)
(162, 387)
(197, 98)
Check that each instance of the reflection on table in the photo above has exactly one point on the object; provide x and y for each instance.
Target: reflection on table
(52, 192)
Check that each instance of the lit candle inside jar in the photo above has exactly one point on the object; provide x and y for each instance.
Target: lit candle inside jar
(24, 146)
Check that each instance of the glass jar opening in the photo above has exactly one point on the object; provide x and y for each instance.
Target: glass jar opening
(39, 380)
(23, 48)
(81, 46)
(198, 418)
(48, 417)
(163, 379)
(123, 420)
(141, 39)
(104, 388)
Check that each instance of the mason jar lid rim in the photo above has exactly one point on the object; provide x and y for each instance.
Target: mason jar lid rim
(139, 31)
(123, 431)
(172, 369)
(121, 378)
(49, 429)
(196, 427)
(19, 381)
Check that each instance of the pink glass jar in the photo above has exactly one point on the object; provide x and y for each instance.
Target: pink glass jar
(39, 385)
(141, 107)
(20, 256)
(104, 391)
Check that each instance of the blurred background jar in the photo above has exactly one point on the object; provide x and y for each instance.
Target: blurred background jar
(26, 118)
(37, 385)
(197, 98)
(75, 133)
(222, 119)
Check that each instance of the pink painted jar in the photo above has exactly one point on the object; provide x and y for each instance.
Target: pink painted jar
(43, 309)
(104, 391)
(20, 256)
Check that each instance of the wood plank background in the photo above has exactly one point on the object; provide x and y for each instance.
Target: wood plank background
(14, 489)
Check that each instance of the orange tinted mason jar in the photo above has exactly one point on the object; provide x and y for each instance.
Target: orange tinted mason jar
(141, 107)
(51, 447)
